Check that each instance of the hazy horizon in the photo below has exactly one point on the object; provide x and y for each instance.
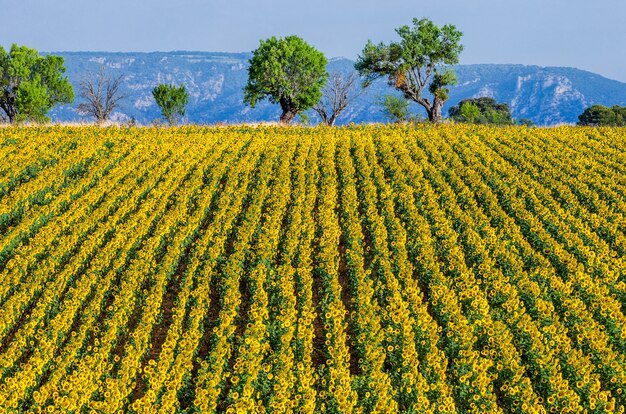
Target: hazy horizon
(580, 34)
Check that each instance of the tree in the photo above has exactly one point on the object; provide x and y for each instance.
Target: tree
(415, 63)
(30, 84)
(600, 115)
(396, 108)
(469, 112)
(339, 92)
(287, 71)
(620, 114)
(489, 112)
(172, 100)
(101, 94)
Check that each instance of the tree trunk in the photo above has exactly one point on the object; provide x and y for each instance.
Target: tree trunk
(12, 116)
(434, 113)
(287, 116)
(10, 108)
(331, 121)
(11, 112)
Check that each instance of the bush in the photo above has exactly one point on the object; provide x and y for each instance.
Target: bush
(481, 111)
(600, 115)
(396, 108)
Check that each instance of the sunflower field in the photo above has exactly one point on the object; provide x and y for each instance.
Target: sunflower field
(448, 269)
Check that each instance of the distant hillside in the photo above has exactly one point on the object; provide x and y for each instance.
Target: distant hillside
(215, 81)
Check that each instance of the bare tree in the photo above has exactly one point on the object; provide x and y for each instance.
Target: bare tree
(339, 92)
(101, 94)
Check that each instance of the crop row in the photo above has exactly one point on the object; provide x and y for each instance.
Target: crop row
(356, 270)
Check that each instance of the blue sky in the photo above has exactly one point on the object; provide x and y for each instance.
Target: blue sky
(588, 34)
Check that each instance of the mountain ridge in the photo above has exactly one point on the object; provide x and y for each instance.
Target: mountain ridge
(546, 95)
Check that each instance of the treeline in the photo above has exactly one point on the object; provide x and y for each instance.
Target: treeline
(31, 85)
(288, 72)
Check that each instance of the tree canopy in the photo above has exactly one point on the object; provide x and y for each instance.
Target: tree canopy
(469, 112)
(287, 71)
(30, 84)
(483, 110)
(418, 61)
(600, 115)
(172, 100)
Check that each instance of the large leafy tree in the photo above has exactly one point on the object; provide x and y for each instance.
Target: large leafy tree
(172, 100)
(30, 84)
(287, 71)
(416, 63)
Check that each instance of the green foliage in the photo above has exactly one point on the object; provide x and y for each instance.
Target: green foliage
(489, 112)
(526, 122)
(599, 115)
(304, 119)
(172, 100)
(498, 118)
(415, 63)
(287, 71)
(469, 112)
(439, 86)
(30, 84)
(396, 108)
